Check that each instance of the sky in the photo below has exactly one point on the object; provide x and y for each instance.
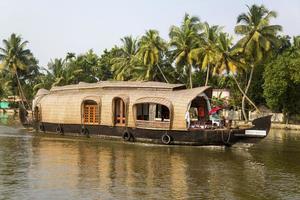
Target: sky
(55, 27)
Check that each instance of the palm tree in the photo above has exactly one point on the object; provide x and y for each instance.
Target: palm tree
(259, 37)
(70, 56)
(15, 57)
(62, 72)
(44, 81)
(152, 48)
(206, 53)
(124, 63)
(56, 70)
(183, 41)
(228, 63)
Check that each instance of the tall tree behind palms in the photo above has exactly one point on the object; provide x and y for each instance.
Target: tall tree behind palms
(151, 52)
(259, 38)
(126, 60)
(15, 57)
(183, 41)
(85, 66)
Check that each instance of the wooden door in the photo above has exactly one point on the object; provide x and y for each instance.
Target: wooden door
(120, 112)
(91, 115)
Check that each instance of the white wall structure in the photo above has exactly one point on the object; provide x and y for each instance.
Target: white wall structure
(276, 117)
(221, 93)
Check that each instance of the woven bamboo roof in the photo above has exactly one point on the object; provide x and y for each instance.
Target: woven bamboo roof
(121, 84)
(41, 92)
(157, 100)
(192, 93)
(64, 104)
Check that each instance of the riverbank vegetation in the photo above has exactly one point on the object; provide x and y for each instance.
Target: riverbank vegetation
(259, 64)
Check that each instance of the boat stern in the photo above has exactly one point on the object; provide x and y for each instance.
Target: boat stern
(259, 130)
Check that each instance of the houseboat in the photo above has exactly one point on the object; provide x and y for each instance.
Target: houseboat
(136, 111)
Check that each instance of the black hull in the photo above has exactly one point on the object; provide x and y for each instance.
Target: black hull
(197, 137)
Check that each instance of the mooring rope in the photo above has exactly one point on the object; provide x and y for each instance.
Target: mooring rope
(228, 138)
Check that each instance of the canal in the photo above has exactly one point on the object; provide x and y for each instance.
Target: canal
(51, 167)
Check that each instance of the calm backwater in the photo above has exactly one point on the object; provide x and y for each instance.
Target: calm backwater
(51, 167)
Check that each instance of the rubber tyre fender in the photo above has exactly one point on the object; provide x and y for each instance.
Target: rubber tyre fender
(59, 130)
(42, 127)
(127, 136)
(166, 139)
(84, 131)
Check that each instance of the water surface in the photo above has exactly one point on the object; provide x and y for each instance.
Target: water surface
(50, 167)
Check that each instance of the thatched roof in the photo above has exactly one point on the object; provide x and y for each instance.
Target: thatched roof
(192, 93)
(41, 92)
(121, 84)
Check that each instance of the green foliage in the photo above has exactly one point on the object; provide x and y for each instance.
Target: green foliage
(282, 86)
(151, 52)
(259, 36)
(19, 63)
(126, 59)
(183, 40)
(195, 54)
(256, 89)
(5, 86)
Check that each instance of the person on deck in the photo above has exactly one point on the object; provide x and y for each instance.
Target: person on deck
(201, 113)
(230, 117)
(188, 119)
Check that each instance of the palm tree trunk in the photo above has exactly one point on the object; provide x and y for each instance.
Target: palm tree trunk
(207, 74)
(162, 73)
(244, 95)
(250, 101)
(190, 76)
(21, 93)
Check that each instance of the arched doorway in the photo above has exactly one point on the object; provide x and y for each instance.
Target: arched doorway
(119, 112)
(197, 115)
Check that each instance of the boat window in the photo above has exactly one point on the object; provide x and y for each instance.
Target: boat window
(142, 111)
(162, 113)
(152, 115)
(152, 112)
(90, 112)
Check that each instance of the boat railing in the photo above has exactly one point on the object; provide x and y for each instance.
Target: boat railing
(153, 124)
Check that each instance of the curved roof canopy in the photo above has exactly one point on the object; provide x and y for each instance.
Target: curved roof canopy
(156, 100)
(121, 84)
(96, 98)
(41, 92)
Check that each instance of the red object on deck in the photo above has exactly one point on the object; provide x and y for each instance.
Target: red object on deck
(201, 112)
(214, 110)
